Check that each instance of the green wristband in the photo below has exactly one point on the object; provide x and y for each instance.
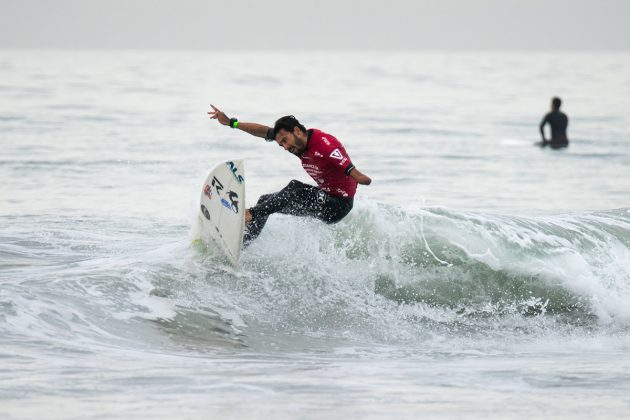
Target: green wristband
(233, 123)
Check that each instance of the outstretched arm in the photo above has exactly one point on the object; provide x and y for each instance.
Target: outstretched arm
(360, 177)
(254, 129)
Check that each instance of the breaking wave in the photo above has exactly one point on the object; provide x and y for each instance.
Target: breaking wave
(417, 275)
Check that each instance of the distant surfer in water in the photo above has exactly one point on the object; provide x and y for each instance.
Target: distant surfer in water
(558, 121)
(323, 158)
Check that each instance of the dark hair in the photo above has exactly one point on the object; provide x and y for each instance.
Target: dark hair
(288, 123)
(556, 102)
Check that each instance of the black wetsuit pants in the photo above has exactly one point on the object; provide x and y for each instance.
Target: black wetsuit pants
(297, 199)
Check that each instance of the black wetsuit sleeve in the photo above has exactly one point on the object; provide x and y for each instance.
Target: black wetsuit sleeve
(544, 121)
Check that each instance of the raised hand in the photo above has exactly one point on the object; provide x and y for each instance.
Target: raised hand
(218, 115)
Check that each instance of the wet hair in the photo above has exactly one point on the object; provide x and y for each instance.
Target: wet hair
(288, 123)
(556, 102)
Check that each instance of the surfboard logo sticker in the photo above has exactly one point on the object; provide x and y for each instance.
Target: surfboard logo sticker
(208, 191)
(234, 171)
(217, 185)
(233, 203)
(336, 154)
(205, 212)
(230, 203)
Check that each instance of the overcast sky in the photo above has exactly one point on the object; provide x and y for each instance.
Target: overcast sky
(324, 25)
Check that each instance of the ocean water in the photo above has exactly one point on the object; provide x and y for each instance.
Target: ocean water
(478, 276)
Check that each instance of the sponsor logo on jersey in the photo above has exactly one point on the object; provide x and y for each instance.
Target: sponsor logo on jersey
(336, 154)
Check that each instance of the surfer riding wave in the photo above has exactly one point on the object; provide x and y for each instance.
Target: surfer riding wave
(323, 158)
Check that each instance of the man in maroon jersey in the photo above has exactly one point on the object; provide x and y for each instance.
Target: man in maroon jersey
(323, 158)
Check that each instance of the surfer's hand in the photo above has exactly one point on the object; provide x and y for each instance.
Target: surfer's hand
(360, 177)
(218, 115)
(248, 216)
(364, 180)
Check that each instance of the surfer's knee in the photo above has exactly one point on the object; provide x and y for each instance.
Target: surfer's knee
(293, 184)
(263, 198)
(291, 189)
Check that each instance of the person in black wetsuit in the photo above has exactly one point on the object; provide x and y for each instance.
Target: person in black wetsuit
(558, 121)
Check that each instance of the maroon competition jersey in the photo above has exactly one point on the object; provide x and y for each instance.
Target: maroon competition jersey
(327, 162)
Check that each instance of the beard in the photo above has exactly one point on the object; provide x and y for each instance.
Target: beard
(299, 148)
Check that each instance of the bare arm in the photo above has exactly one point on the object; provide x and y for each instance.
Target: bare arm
(254, 129)
(360, 177)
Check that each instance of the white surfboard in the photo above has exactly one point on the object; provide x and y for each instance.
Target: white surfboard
(222, 208)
